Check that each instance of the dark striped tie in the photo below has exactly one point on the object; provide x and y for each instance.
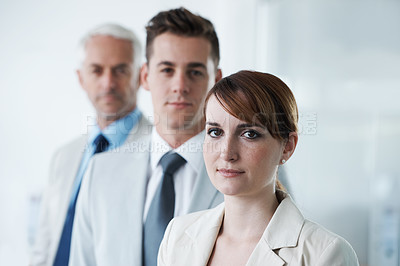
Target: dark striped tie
(161, 209)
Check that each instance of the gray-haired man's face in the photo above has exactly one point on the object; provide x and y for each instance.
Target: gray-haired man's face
(106, 75)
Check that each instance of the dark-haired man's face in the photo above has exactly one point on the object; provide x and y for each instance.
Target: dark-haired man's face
(179, 74)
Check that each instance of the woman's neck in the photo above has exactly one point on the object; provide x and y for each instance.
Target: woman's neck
(250, 214)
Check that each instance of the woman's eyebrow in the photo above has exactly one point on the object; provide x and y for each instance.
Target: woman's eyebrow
(212, 123)
(245, 125)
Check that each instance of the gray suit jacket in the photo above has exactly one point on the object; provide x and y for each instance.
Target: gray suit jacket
(289, 239)
(56, 197)
(109, 217)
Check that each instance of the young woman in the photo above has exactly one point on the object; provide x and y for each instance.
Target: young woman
(251, 126)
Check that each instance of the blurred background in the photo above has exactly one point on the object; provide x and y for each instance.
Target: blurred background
(341, 58)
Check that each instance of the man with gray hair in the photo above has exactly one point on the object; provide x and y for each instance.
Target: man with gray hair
(109, 74)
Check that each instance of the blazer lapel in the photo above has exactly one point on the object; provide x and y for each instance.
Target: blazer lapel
(262, 254)
(137, 173)
(205, 195)
(62, 178)
(73, 162)
(285, 226)
(120, 190)
(283, 231)
(66, 175)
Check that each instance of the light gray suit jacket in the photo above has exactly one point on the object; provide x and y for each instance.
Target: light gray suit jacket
(289, 239)
(109, 217)
(56, 197)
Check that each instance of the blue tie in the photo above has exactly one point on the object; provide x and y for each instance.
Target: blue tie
(62, 256)
(161, 209)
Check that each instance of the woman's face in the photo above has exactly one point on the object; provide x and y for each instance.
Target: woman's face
(241, 159)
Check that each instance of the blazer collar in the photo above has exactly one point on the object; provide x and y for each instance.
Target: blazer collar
(283, 231)
(285, 226)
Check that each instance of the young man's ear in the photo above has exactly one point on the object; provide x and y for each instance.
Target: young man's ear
(218, 75)
(144, 73)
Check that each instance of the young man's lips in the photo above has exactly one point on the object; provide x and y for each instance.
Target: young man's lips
(179, 105)
(229, 172)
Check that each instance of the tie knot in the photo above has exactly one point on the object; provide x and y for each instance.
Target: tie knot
(101, 143)
(170, 162)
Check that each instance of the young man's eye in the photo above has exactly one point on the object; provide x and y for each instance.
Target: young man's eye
(214, 132)
(251, 134)
(196, 73)
(167, 70)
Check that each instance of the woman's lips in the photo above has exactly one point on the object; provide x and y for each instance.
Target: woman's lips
(229, 172)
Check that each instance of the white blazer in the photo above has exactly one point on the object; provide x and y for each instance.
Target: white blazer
(289, 239)
(56, 197)
(109, 214)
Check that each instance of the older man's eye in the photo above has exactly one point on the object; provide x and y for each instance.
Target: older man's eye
(96, 70)
(123, 70)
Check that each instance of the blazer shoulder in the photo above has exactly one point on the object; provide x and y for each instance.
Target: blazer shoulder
(65, 159)
(117, 171)
(316, 232)
(194, 222)
(326, 247)
(140, 131)
(189, 219)
(75, 145)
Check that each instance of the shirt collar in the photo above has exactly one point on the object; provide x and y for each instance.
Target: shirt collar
(191, 150)
(117, 132)
(158, 148)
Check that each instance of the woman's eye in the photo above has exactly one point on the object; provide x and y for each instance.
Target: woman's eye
(214, 132)
(251, 134)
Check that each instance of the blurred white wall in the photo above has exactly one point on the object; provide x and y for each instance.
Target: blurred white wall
(341, 58)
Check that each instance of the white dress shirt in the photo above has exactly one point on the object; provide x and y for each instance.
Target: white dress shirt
(184, 178)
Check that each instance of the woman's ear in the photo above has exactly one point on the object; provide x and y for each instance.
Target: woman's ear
(290, 146)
